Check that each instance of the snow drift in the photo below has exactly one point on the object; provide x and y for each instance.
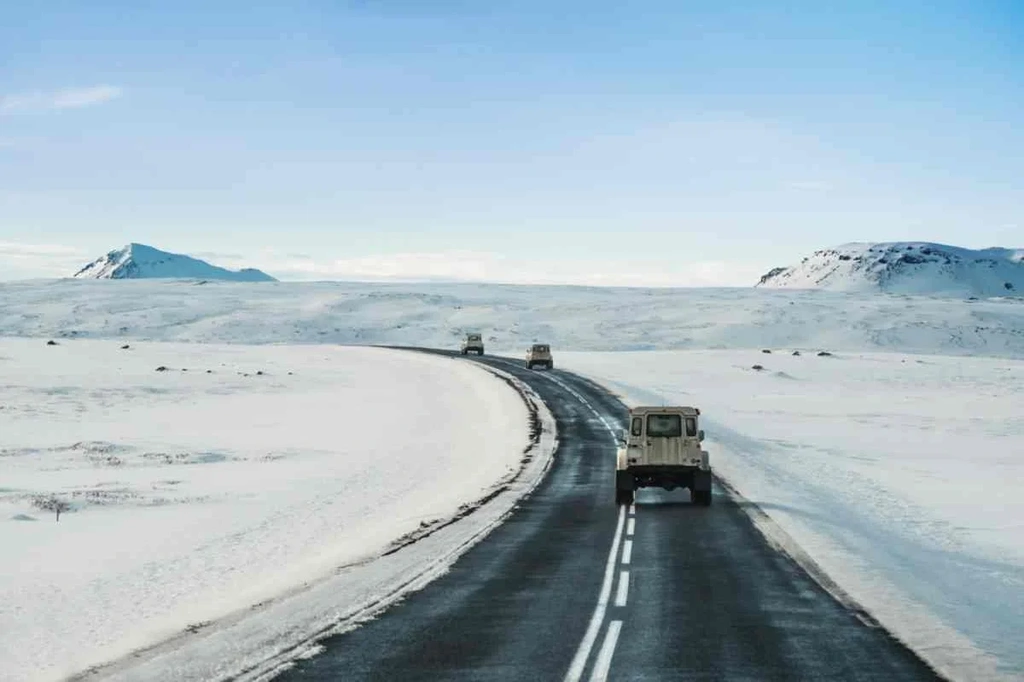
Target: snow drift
(906, 268)
(138, 261)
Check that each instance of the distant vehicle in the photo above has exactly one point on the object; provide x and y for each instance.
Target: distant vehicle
(662, 449)
(539, 355)
(473, 343)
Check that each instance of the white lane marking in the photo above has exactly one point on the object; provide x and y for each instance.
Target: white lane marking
(604, 659)
(583, 400)
(627, 552)
(576, 394)
(631, 526)
(587, 644)
(623, 592)
(632, 509)
(604, 656)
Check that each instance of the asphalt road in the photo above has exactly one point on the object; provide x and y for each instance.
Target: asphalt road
(572, 587)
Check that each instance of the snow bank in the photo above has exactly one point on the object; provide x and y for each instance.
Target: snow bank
(898, 474)
(193, 494)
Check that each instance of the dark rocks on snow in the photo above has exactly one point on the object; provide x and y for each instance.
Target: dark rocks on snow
(51, 342)
(824, 354)
(796, 352)
(758, 367)
(259, 373)
(125, 347)
(766, 350)
(161, 368)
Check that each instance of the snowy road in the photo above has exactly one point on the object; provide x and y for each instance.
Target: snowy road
(572, 587)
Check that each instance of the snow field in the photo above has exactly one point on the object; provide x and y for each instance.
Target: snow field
(898, 474)
(510, 317)
(191, 495)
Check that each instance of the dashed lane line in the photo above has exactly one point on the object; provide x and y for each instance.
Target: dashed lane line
(623, 592)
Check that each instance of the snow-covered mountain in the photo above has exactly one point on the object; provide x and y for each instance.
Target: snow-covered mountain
(138, 261)
(906, 268)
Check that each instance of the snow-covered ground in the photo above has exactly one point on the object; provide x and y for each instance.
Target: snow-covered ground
(922, 268)
(900, 475)
(193, 494)
(511, 317)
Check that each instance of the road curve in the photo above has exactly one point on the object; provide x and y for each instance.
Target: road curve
(572, 587)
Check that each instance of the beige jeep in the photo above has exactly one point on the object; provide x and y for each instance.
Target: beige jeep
(473, 343)
(662, 449)
(539, 355)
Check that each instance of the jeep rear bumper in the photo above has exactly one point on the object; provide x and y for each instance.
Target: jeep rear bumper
(663, 476)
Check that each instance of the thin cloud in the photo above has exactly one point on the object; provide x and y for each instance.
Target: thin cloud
(468, 266)
(217, 255)
(20, 260)
(67, 98)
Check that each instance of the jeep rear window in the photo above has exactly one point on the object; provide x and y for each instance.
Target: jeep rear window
(637, 427)
(691, 427)
(664, 426)
(541, 349)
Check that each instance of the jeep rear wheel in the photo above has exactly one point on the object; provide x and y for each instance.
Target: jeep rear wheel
(701, 497)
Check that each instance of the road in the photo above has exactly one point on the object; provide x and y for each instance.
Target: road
(572, 587)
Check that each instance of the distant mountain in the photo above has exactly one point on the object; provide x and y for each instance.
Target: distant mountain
(138, 261)
(906, 268)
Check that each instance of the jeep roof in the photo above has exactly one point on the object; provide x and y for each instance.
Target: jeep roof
(681, 409)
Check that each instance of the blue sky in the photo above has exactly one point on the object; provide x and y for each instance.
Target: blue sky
(593, 142)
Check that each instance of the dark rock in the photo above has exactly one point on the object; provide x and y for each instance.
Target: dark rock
(51, 342)
(796, 352)
(774, 272)
(125, 347)
(824, 354)
(766, 350)
(758, 367)
(161, 368)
